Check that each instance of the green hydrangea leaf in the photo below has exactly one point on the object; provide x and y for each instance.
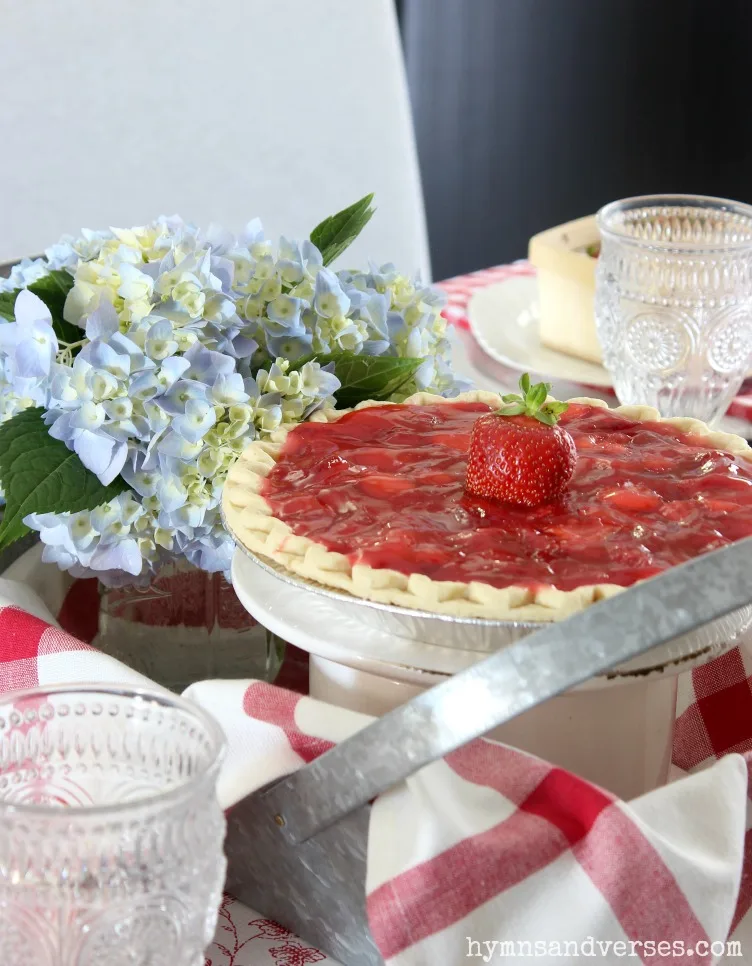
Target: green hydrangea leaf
(15, 434)
(365, 377)
(336, 233)
(41, 475)
(7, 303)
(53, 290)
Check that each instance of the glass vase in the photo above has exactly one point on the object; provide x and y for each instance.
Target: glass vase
(186, 626)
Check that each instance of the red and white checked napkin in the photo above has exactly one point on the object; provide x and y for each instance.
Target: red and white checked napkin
(460, 289)
(491, 845)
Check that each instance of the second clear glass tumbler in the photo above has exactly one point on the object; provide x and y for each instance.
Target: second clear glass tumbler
(673, 301)
(110, 829)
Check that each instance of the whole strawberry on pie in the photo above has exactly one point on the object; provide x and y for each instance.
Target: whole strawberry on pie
(518, 454)
(515, 508)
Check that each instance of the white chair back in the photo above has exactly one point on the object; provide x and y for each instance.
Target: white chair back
(113, 113)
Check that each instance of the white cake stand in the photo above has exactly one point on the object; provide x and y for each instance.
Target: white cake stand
(614, 732)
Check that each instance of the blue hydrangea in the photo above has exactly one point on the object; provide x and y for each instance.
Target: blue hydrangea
(189, 340)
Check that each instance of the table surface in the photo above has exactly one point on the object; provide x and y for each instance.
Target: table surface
(244, 938)
(471, 362)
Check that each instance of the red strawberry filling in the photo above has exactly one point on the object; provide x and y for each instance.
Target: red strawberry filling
(386, 487)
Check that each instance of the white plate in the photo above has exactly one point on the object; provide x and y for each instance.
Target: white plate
(504, 320)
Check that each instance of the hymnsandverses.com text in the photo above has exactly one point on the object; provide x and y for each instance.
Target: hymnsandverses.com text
(489, 950)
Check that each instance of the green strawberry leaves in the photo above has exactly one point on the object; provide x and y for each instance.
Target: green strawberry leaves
(41, 475)
(532, 402)
(365, 377)
(336, 233)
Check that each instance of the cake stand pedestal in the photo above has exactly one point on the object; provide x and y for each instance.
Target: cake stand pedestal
(615, 732)
(617, 737)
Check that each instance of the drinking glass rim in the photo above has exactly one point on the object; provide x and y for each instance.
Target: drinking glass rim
(166, 699)
(673, 200)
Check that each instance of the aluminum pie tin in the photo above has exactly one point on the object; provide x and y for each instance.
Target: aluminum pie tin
(485, 636)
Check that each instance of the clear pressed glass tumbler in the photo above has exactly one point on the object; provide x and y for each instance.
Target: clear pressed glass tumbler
(110, 830)
(673, 301)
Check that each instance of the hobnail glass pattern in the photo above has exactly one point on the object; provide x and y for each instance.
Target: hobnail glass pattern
(110, 830)
(673, 301)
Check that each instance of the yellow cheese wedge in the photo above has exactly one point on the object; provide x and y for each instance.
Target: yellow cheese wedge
(566, 287)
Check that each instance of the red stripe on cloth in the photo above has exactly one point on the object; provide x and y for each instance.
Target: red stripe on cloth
(17, 675)
(728, 718)
(643, 894)
(691, 746)
(568, 803)
(79, 614)
(434, 895)
(20, 634)
(720, 719)
(562, 811)
(532, 784)
(719, 673)
(559, 811)
(23, 640)
(55, 641)
(277, 707)
(511, 773)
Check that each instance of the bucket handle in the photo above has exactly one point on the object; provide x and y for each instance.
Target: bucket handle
(511, 681)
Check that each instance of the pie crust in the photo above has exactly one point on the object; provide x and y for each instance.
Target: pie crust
(254, 527)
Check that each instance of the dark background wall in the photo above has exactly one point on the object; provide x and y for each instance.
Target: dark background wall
(531, 112)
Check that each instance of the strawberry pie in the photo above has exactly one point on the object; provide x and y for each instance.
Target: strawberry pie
(467, 507)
